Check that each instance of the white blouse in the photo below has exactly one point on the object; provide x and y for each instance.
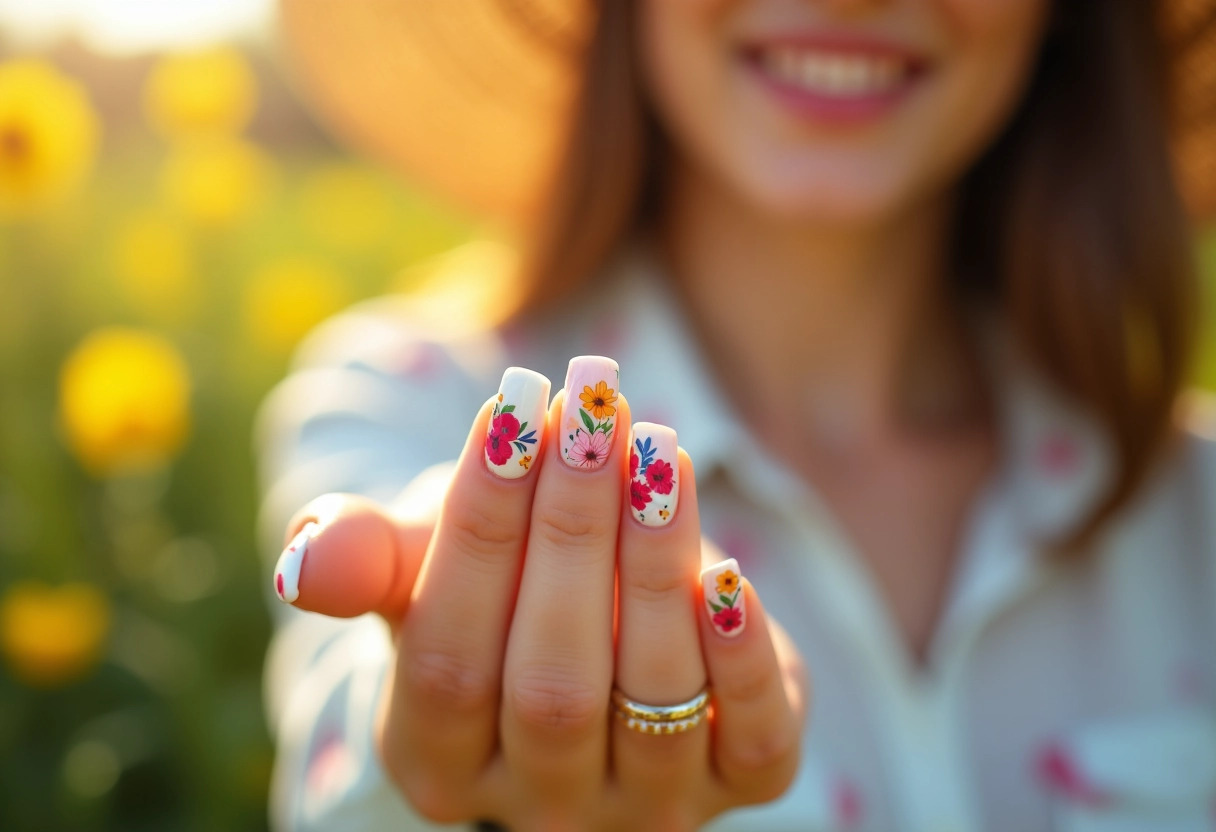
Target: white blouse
(1077, 698)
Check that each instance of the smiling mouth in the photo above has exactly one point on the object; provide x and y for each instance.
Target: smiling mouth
(836, 72)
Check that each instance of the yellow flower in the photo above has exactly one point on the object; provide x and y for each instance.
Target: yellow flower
(51, 636)
(728, 582)
(346, 206)
(599, 401)
(48, 136)
(217, 182)
(288, 297)
(206, 92)
(526, 462)
(124, 400)
(153, 262)
(664, 513)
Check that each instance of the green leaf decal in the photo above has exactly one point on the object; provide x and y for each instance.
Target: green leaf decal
(586, 420)
(730, 602)
(523, 427)
(716, 607)
(507, 408)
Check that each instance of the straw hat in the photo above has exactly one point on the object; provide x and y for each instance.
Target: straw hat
(471, 99)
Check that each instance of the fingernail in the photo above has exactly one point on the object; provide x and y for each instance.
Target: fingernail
(653, 488)
(517, 424)
(724, 597)
(287, 570)
(590, 411)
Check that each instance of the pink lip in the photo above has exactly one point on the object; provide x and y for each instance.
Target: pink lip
(834, 110)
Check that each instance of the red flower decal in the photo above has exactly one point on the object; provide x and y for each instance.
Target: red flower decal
(503, 431)
(639, 494)
(728, 618)
(633, 464)
(660, 477)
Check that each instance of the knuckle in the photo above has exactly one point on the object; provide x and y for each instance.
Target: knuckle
(743, 688)
(654, 580)
(570, 527)
(450, 680)
(767, 763)
(479, 533)
(555, 706)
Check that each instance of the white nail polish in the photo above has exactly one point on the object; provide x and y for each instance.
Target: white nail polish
(287, 570)
(724, 597)
(654, 489)
(517, 425)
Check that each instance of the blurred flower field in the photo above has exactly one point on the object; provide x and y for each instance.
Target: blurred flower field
(159, 259)
(163, 246)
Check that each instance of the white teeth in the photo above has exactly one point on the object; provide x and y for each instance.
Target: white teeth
(833, 73)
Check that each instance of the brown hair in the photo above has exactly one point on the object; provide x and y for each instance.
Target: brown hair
(1071, 222)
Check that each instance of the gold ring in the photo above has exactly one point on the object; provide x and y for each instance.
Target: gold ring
(661, 719)
(666, 726)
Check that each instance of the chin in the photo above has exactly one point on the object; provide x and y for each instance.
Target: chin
(822, 198)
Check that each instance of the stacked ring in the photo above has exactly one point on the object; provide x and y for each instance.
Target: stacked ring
(661, 719)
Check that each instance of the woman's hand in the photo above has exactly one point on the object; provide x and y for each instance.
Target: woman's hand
(518, 613)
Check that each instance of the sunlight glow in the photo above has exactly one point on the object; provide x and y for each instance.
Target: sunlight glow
(126, 26)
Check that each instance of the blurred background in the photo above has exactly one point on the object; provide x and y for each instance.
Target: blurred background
(171, 223)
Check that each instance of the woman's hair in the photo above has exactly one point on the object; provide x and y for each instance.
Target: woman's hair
(1070, 223)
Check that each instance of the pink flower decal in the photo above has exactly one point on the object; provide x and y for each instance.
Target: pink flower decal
(639, 495)
(659, 476)
(503, 431)
(589, 450)
(728, 618)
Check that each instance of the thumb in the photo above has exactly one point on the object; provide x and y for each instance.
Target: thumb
(348, 555)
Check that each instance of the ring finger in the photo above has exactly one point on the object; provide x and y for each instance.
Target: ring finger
(658, 643)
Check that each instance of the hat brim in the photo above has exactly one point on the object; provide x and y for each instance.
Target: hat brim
(468, 98)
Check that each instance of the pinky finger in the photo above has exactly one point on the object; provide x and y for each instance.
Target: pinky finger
(757, 716)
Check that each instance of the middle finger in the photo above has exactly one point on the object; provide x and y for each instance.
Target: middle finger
(558, 666)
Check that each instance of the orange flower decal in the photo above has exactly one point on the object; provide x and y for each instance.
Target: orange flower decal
(728, 582)
(599, 402)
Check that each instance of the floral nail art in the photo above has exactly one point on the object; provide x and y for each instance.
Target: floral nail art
(291, 563)
(590, 411)
(724, 597)
(653, 490)
(516, 425)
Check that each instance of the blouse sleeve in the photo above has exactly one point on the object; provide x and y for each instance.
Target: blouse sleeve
(370, 408)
